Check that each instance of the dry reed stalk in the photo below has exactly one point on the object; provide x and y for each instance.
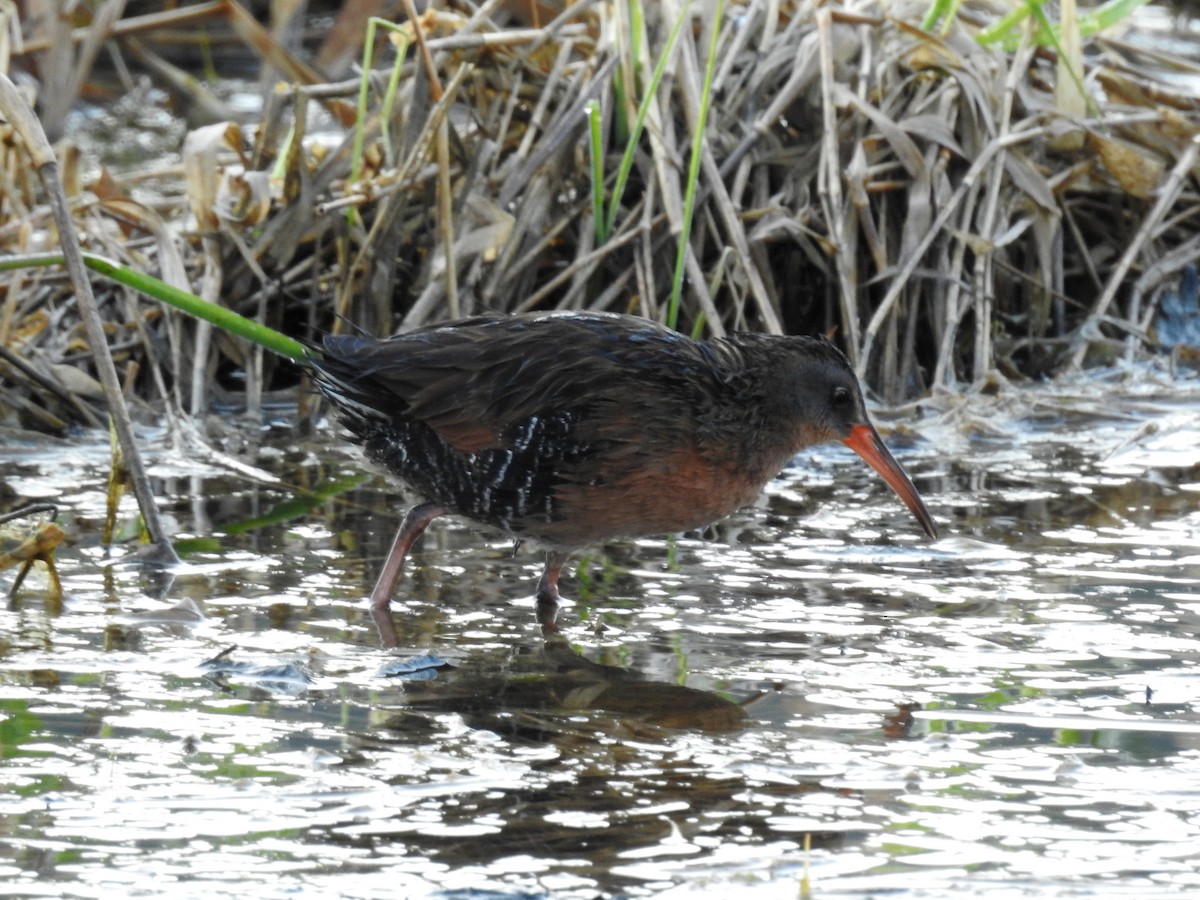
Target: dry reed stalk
(20, 117)
(735, 232)
(831, 189)
(1168, 195)
(905, 188)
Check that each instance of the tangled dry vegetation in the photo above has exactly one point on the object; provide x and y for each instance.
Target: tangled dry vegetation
(949, 208)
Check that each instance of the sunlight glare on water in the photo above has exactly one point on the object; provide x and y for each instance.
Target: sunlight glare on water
(1013, 710)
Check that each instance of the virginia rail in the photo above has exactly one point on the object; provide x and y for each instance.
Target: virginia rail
(571, 429)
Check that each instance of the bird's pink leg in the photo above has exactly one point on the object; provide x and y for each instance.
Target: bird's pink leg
(415, 521)
(547, 593)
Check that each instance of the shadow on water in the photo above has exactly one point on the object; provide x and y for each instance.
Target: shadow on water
(1012, 709)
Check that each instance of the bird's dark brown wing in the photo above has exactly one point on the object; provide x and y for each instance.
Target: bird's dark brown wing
(479, 382)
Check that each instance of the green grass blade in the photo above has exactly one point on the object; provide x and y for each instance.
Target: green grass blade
(626, 165)
(940, 10)
(304, 501)
(1005, 30)
(360, 118)
(596, 144)
(1108, 15)
(689, 203)
(225, 319)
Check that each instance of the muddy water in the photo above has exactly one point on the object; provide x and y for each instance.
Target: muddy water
(1011, 711)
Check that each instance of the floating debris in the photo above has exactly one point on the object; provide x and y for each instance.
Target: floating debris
(289, 678)
(416, 668)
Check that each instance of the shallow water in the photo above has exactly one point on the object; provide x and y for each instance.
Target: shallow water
(1013, 710)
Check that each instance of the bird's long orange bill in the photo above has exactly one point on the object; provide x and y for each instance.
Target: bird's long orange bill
(866, 442)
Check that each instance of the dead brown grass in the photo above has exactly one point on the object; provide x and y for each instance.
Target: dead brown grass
(949, 209)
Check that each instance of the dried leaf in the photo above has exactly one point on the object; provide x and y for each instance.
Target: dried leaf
(106, 188)
(934, 129)
(902, 145)
(1032, 182)
(928, 50)
(29, 327)
(202, 168)
(74, 380)
(1134, 169)
(170, 259)
(40, 546)
(919, 215)
(244, 198)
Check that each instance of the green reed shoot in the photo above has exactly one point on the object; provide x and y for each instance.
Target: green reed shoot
(364, 84)
(693, 176)
(625, 167)
(942, 11)
(596, 146)
(1006, 30)
(225, 319)
(627, 161)
(625, 79)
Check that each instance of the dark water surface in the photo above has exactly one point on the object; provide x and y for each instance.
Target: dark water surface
(1012, 711)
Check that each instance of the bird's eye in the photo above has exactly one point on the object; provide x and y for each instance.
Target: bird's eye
(840, 397)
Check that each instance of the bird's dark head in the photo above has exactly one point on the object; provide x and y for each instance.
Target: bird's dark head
(819, 390)
(823, 397)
